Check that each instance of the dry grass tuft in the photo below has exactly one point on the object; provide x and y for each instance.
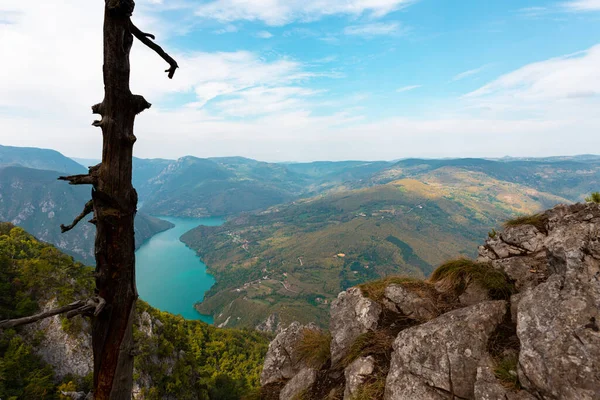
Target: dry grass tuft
(456, 275)
(537, 220)
(314, 348)
(373, 390)
(375, 290)
(506, 371)
(373, 343)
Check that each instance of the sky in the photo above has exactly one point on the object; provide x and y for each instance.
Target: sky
(304, 80)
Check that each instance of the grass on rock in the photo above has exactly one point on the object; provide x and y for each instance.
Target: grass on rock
(457, 275)
(536, 220)
(314, 347)
(375, 290)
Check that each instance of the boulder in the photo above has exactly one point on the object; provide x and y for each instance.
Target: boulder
(560, 339)
(356, 373)
(440, 358)
(419, 306)
(526, 237)
(282, 361)
(302, 381)
(352, 314)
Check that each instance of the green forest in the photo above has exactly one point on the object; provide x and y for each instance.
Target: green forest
(175, 359)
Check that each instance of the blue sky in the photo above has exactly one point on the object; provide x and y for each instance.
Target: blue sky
(316, 79)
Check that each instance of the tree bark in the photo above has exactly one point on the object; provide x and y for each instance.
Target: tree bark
(115, 203)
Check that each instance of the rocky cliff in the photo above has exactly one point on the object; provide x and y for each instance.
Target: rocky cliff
(521, 322)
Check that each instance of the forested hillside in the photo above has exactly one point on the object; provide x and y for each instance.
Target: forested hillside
(176, 358)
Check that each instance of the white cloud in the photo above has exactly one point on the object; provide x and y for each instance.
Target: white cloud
(467, 74)
(408, 88)
(282, 12)
(374, 29)
(583, 5)
(569, 77)
(264, 35)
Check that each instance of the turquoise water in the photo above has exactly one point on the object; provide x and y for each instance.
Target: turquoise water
(169, 275)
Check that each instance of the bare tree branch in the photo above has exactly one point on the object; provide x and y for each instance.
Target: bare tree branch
(143, 37)
(88, 208)
(11, 323)
(86, 179)
(93, 306)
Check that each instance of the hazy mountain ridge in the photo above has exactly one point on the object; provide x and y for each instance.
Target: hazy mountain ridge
(567, 178)
(226, 186)
(33, 157)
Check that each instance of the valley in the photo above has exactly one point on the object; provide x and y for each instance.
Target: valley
(295, 233)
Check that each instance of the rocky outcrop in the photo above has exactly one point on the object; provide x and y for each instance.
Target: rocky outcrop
(440, 357)
(521, 323)
(282, 360)
(68, 353)
(352, 314)
(558, 275)
(271, 325)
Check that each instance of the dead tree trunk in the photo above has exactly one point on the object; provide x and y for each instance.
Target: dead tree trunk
(114, 203)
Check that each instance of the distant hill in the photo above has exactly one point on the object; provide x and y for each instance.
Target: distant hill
(32, 157)
(563, 176)
(196, 187)
(36, 201)
(291, 260)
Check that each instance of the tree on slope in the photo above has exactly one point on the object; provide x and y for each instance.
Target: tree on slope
(114, 205)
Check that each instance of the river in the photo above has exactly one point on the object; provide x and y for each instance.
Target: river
(169, 275)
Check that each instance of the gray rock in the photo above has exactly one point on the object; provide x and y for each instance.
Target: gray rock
(409, 303)
(440, 357)
(352, 314)
(526, 271)
(560, 349)
(496, 248)
(356, 373)
(282, 360)
(525, 237)
(487, 386)
(557, 320)
(302, 381)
